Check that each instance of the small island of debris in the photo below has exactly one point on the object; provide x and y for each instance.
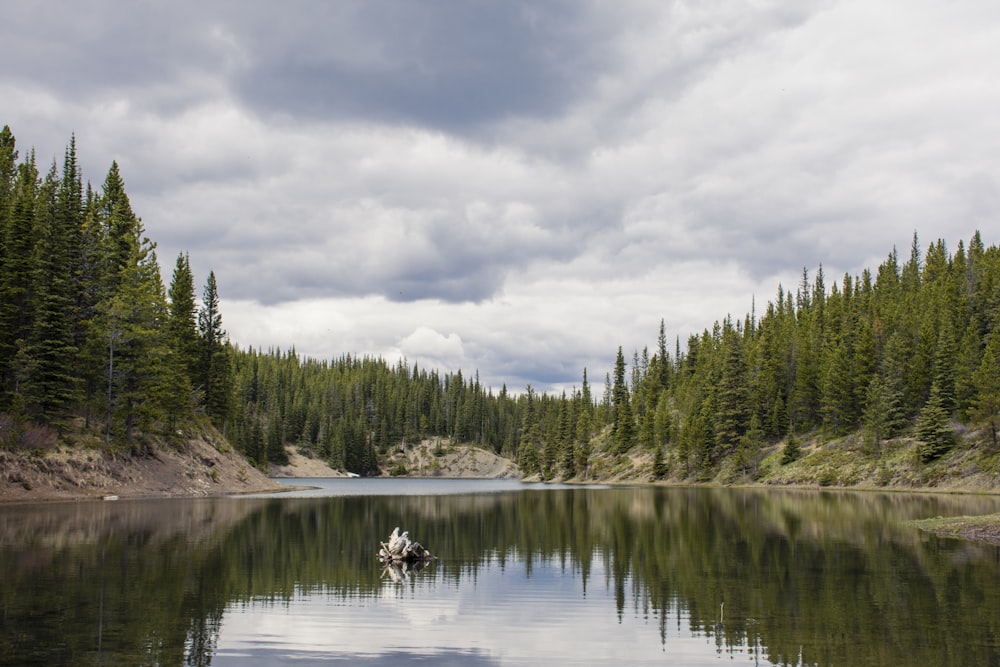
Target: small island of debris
(401, 549)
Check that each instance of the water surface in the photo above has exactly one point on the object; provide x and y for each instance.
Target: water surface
(527, 575)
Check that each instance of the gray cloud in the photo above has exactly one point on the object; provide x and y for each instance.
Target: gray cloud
(454, 67)
(517, 187)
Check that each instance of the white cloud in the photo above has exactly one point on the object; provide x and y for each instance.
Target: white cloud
(653, 161)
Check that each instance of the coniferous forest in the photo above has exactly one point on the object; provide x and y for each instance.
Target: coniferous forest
(91, 337)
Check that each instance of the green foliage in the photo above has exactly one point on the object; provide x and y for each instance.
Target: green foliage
(85, 324)
(660, 466)
(623, 426)
(882, 416)
(791, 451)
(986, 380)
(86, 328)
(932, 430)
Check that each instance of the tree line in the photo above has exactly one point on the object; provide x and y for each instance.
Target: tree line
(913, 348)
(88, 331)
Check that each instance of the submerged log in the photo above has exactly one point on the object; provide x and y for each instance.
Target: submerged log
(400, 548)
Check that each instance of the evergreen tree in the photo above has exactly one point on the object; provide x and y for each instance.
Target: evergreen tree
(986, 404)
(660, 467)
(944, 364)
(932, 428)
(750, 448)
(664, 366)
(182, 322)
(623, 427)
(52, 386)
(138, 354)
(883, 414)
(966, 364)
(662, 421)
(8, 169)
(731, 414)
(837, 395)
(17, 281)
(791, 451)
(215, 372)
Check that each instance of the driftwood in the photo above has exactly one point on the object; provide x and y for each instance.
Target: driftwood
(401, 549)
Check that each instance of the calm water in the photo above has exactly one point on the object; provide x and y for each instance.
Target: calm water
(527, 575)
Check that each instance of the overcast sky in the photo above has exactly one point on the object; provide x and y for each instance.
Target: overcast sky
(516, 187)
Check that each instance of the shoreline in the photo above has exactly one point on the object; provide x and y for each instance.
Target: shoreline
(199, 469)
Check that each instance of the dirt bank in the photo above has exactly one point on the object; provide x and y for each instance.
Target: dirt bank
(194, 467)
(300, 465)
(439, 458)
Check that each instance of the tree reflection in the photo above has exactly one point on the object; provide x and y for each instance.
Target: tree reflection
(787, 577)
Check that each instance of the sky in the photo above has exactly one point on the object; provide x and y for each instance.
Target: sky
(516, 188)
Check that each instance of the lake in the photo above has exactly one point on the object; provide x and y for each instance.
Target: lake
(526, 575)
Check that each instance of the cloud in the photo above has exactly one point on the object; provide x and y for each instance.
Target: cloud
(540, 183)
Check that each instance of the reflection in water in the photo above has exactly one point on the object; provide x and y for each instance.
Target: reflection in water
(401, 571)
(577, 576)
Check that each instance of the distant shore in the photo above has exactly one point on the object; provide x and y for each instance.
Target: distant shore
(199, 469)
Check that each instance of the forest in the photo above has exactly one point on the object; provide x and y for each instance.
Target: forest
(93, 340)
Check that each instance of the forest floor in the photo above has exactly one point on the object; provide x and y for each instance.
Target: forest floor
(200, 463)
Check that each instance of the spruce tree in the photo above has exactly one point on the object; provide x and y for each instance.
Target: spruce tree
(791, 451)
(182, 322)
(986, 403)
(138, 353)
(623, 427)
(933, 431)
(883, 415)
(731, 414)
(215, 371)
(52, 385)
(18, 305)
(751, 446)
(660, 467)
(664, 367)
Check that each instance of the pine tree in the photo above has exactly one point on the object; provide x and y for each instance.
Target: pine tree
(664, 366)
(837, 395)
(944, 364)
(791, 451)
(52, 385)
(731, 414)
(215, 370)
(932, 428)
(986, 404)
(966, 364)
(17, 280)
(138, 354)
(8, 168)
(751, 446)
(182, 323)
(660, 467)
(883, 414)
(623, 427)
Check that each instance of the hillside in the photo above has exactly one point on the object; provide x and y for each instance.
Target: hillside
(839, 462)
(441, 458)
(76, 466)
